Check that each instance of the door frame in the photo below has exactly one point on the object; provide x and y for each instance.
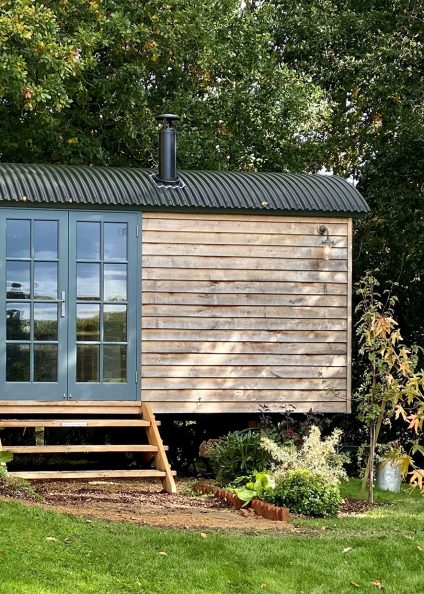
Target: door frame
(44, 391)
(108, 391)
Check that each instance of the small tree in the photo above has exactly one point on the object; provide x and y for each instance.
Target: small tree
(391, 385)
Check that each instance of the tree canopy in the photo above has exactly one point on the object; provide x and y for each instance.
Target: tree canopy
(82, 82)
(276, 85)
(367, 57)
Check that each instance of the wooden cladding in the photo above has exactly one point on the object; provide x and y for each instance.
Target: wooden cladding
(240, 311)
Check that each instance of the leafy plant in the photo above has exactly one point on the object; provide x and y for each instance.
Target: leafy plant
(316, 455)
(5, 457)
(308, 493)
(238, 454)
(391, 386)
(261, 486)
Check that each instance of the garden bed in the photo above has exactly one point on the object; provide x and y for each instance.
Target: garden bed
(143, 502)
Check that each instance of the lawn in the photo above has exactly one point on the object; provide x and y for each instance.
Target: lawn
(43, 552)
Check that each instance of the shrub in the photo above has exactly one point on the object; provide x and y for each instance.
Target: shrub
(237, 454)
(306, 492)
(317, 455)
(261, 486)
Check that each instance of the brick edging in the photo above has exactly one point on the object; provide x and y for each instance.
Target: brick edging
(260, 508)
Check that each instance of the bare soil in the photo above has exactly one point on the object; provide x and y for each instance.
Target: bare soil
(144, 502)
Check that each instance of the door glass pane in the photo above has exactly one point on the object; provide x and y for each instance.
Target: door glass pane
(115, 363)
(88, 241)
(45, 280)
(88, 362)
(45, 321)
(18, 321)
(115, 282)
(88, 281)
(18, 276)
(17, 363)
(115, 241)
(45, 362)
(45, 239)
(18, 238)
(115, 323)
(88, 321)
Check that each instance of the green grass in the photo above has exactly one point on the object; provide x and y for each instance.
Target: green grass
(387, 543)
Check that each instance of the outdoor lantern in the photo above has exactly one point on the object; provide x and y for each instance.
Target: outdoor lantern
(327, 242)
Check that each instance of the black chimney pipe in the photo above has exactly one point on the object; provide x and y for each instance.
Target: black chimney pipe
(167, 150)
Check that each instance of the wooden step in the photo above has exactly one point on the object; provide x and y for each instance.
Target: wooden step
(66, 423)
(79, 449)
(77, 407)
(89, 474)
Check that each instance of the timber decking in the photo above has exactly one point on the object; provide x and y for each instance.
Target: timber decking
(244, 311)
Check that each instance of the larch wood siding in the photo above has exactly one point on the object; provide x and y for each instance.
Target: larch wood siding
(244, 311)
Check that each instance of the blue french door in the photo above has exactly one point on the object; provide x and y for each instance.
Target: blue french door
(69, 282)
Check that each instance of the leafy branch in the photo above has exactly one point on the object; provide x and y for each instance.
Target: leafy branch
(391, 384)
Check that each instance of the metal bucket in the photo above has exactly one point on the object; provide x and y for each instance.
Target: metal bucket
(389, 477)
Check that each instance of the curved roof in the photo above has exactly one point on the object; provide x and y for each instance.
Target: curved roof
(107, 186)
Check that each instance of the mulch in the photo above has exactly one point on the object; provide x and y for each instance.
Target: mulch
(143, 502)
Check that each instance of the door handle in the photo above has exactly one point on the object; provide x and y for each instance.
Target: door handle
(63, 305)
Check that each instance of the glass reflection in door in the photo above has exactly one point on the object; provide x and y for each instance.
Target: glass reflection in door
(104, 287)
(32, 251)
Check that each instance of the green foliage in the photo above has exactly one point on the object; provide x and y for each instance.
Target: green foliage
(367, 59)
(306, 492)
(5, 457)
(237, 454)
(391, 386)
(316, 455)
(261, 486)
(90, 93)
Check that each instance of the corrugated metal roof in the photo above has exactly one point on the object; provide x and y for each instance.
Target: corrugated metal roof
(107, 186)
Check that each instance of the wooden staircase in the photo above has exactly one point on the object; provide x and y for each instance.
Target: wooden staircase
(141, 416)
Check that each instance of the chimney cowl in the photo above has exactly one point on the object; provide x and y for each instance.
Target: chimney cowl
(167, 175)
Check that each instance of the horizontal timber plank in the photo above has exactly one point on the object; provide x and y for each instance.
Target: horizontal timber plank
(70, 405)
(226, 348)
(245, 335)
(231, 311)
(260, 324)
(73, 423)
(233, 287)
(78, 449)
(58, 407)
(87, 474)
(240, 394)
(229, 359)
(238, 299)
(237, 383)
(216, 274)
(242, 217)
(247, 263)
(279, 225)
(166, 372)
(244, 251)
(171, 407)
(18, 407)
(216, 238)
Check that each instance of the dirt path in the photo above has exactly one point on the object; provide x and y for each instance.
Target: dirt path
(143, 502)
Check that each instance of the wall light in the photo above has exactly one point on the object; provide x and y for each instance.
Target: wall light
(327, 242)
